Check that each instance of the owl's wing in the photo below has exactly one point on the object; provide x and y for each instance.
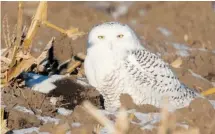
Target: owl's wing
(142, 79)
(158, 73)
(153, 64)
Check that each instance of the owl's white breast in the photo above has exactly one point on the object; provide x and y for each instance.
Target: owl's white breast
(100, 62)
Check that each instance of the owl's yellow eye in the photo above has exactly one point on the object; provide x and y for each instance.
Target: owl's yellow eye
(120, 36)
(101, 37)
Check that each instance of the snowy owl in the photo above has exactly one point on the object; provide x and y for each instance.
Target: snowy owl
(117, 63)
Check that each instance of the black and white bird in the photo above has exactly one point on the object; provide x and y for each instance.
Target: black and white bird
(117, 63)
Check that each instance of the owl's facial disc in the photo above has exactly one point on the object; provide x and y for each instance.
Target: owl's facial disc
(111, 40)
(114, 36)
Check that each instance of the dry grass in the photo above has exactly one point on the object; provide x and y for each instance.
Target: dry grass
(177, 63)
(18, 32)
(121, 126)
(3, 122)
(40, 15)
(20, 58)
(208, 92)
(118, 128)
(168, 122)
(5, 25)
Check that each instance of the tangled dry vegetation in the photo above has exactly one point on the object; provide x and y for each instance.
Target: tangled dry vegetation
(16, 58)
(121, 125)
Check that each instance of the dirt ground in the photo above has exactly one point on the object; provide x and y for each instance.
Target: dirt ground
(171, 29)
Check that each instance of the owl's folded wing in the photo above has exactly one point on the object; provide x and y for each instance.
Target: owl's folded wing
(153, 71)
(160, 77)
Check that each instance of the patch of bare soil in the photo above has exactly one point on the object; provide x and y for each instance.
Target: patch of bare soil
(19, 120)
(200, 113)
(127, 102)
(80, 116)
(68, 95)
(27, 98)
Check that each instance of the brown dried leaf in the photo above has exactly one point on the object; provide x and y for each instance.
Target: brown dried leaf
(177, 63)
(74, 33)
(208, 92)
(5, 60)
(73, 67)
(81, 56)
(97, 129)
(35, 24)
(19, 33)
(92, 110)
(45, 52)
(24, 65)
(4, 128)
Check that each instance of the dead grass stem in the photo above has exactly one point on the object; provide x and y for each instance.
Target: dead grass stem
(4, 31)
(8, 32)
(19, 32)
(40, 15)
(98, 116)
(167, 123)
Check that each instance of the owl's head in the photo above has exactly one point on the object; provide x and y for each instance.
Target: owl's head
(114, 36)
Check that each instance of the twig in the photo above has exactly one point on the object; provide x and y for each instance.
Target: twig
(81, 56)
(121, 128)
(208, 92)
(4, 31)
(122, 121)
(48, 24)
(40, 15)
(8, 32)
(64, 104)
(97, 129)
(23, 94)
(74, 66)
(32, 109)
(163, 128)
(5, 60)
(42, 102)
(19, 32)
(45, 52)
(13, 36)
(98, 116)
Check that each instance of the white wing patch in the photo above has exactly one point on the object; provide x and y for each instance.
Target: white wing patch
(153, 77)
(154, 68)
